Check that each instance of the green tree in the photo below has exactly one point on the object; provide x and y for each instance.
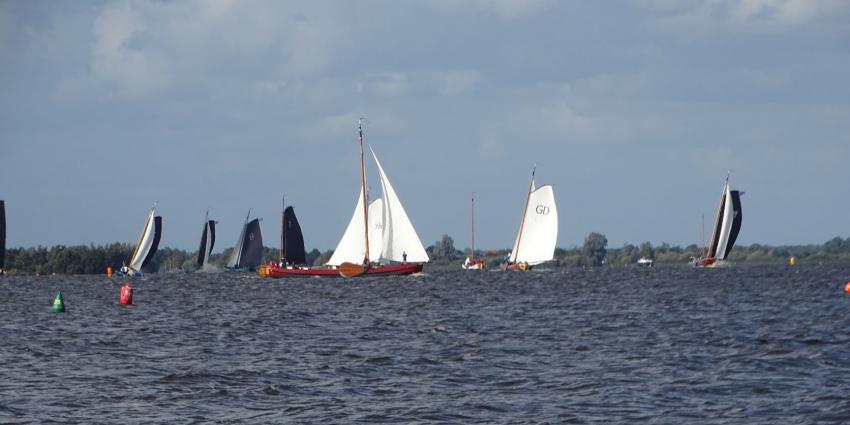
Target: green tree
(594, 250)
(444, 248)
(646, 250)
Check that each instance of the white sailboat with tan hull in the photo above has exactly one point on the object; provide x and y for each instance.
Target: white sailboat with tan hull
(538, 229)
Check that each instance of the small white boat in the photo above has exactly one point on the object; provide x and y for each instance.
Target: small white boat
(473, 263)
(645, 262)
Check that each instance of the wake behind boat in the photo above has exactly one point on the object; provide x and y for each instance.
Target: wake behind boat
(393, 239)
(538, 229)
(727, 225)
(146, 246)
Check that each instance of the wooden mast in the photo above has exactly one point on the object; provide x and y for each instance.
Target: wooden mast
(524, 211)
(472, 227)
(363, 192)
(282, 229)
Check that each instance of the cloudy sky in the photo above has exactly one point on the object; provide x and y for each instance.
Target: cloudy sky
(634, 110)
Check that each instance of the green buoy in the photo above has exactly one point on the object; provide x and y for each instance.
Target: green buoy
(58, 303)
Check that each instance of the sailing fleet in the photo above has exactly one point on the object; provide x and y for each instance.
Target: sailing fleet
(380, 239)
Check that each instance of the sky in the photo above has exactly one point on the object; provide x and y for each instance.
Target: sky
(633, 110)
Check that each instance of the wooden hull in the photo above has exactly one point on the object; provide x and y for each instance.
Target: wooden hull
(275, 271)
(705, 262)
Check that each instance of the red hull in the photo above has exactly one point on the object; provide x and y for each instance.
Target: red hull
(705, 262)
(395, 270)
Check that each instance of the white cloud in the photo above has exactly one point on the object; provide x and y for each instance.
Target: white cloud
(459, 82)
(506, 9)
(116, 58)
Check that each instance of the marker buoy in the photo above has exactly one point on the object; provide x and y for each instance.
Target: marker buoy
(847, 287)
(126, 294)
(58, 303)
(109, 272)
(792, 261)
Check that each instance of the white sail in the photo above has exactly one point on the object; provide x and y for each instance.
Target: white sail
(233, 262)
(376, 228)
(538, 234)
(351, 248)
(399, 236)
(143, 246)
(726, 224)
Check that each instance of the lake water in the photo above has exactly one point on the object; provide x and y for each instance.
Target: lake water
(741, 345)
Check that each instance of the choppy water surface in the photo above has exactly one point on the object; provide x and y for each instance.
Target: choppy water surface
(740, 345)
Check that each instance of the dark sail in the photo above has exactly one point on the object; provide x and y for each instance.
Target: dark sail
(293, 248)
(718, 224)
(252, 246)
(212, 235)
(736, 221)
(2, 234)
(208, 233)
(157, 233)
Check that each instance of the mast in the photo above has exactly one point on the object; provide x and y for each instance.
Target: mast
(702, 235)
(363, 191)
(472, 227)
(282, 229)
(524, 211)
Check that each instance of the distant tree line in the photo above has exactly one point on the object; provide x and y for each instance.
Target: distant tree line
(94, 259)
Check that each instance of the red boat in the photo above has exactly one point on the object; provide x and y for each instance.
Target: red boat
(394, 240)
(273, 270)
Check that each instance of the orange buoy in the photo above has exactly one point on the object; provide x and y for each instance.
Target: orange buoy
(126, 294)
(108, 271)
(847, 287)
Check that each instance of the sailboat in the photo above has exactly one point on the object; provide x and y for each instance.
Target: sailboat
(380, 239)
(292, 252)
(472, 263)
(207, 241)
(538, 229)
(248, 252)
(2, 237)
(146, 246)
(727, 225)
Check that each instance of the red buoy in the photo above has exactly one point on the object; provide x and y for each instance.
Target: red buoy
(847, 287)
(126, 294)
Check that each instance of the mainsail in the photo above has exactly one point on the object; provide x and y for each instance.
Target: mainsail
(538, 232)
(351, 248)
(207, 241)
(148, 242)
(727, 224)
(293, 240)
(248, 252)
(2, 234)
(391, 234)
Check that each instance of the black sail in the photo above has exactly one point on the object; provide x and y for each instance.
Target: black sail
(718, 224)
(207, 234)
(293, 239)
(252, 246)
(212, 236)
(202, 249)
(2, 234)
(157, 233)
(736, 221)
